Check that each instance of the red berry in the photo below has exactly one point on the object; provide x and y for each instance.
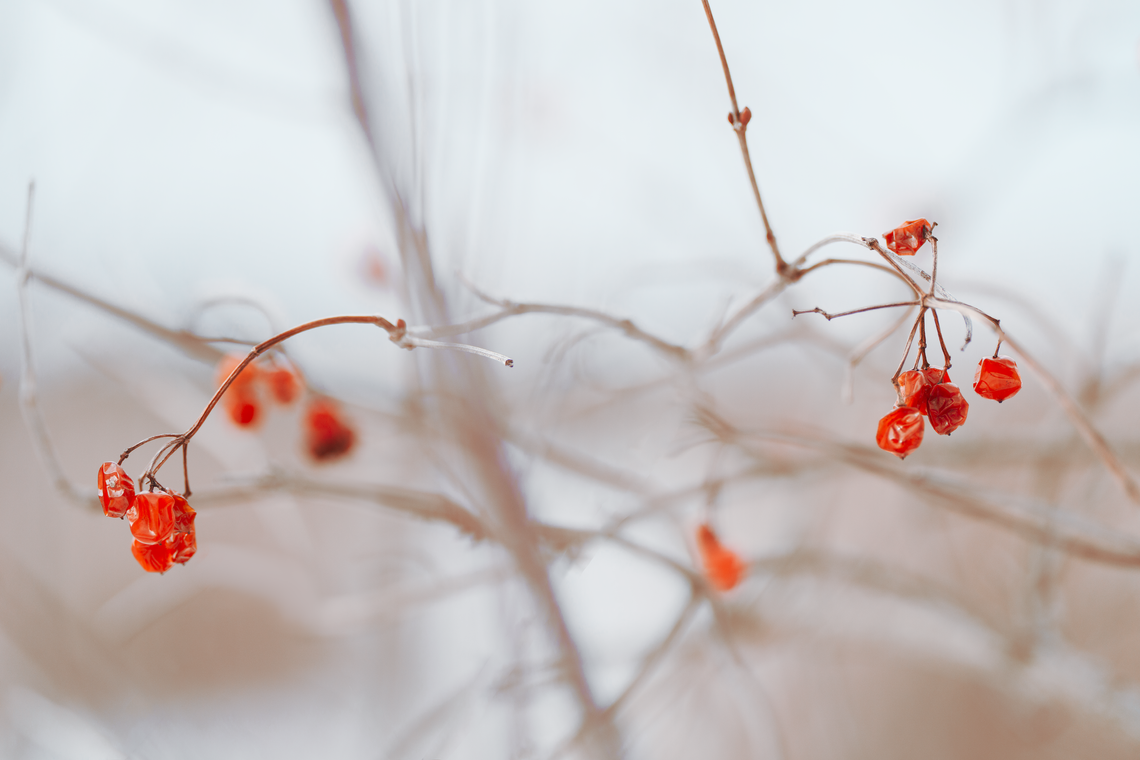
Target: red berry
(284, 385)
(723, 567)
(152, 517)
(900, 431)
(241, 398)
(997, 379)
(907, 239)
(915, 386)
(327, 437)
(154, 558)
(116, 490)
(947, 408)
(182, 546)
(184, 515)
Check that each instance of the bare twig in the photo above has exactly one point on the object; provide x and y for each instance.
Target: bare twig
(29, 406)
(741, 129)
(829, 316)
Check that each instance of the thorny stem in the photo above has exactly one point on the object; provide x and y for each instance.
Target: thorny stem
(741, 129)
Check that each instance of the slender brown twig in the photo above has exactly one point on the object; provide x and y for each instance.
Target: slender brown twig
(741, 129)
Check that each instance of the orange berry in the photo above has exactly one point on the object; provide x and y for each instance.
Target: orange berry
(154, 558)
(908, 238)
(723, 568)
(997, 378)
(947, 408)
(283, 384)
(116, 490)
(915, 386)
(152, 517)
(900, 431)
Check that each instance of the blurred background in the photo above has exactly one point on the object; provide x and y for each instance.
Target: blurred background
(504, 564)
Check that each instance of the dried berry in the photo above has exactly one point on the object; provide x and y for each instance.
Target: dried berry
(327, 436)
(900, 431)
(997, 378)
(723, 567)
(154, 558)
(182, 546)
(947, 408)
(152, 517)
(184, 514)
(116, 490)
(915, 385)
(908, 238)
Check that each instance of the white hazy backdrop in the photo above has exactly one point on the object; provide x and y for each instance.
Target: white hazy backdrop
(199, 164)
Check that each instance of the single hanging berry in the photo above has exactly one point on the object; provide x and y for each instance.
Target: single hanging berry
(183, 543)
(907, 239)
(283, 384)
(116, 490)
(900, 431)
(241, 400)
(997, 378)
(152, 517)
(947, 408)
(915, 385)
(723, 567)
(154, 558)
(327, 436)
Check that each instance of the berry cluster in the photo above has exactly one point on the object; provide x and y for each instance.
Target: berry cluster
(162, 522)
(723, 567)
(327, 435)
(927, 391)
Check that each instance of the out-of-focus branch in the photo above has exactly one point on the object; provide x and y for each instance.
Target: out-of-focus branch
(1035, 521)
(29, 404)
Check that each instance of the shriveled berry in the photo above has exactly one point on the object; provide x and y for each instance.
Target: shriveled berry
(116, 490)
(152, 517)
(900, 431)
(327, 436)
(915, 386)
(184, 515)
(997, 378)
(723, 567)
(906, 239)
(154, 558)
(947, 408)
(182, 546)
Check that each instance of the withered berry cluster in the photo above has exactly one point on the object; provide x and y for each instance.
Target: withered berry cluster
(162, 522)
(926, 391)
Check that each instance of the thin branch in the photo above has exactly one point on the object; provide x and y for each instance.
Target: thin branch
(1069, 405)
(29, 406)
(508, 309)
(829, 316)
(1071, 533)
(741, 129)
